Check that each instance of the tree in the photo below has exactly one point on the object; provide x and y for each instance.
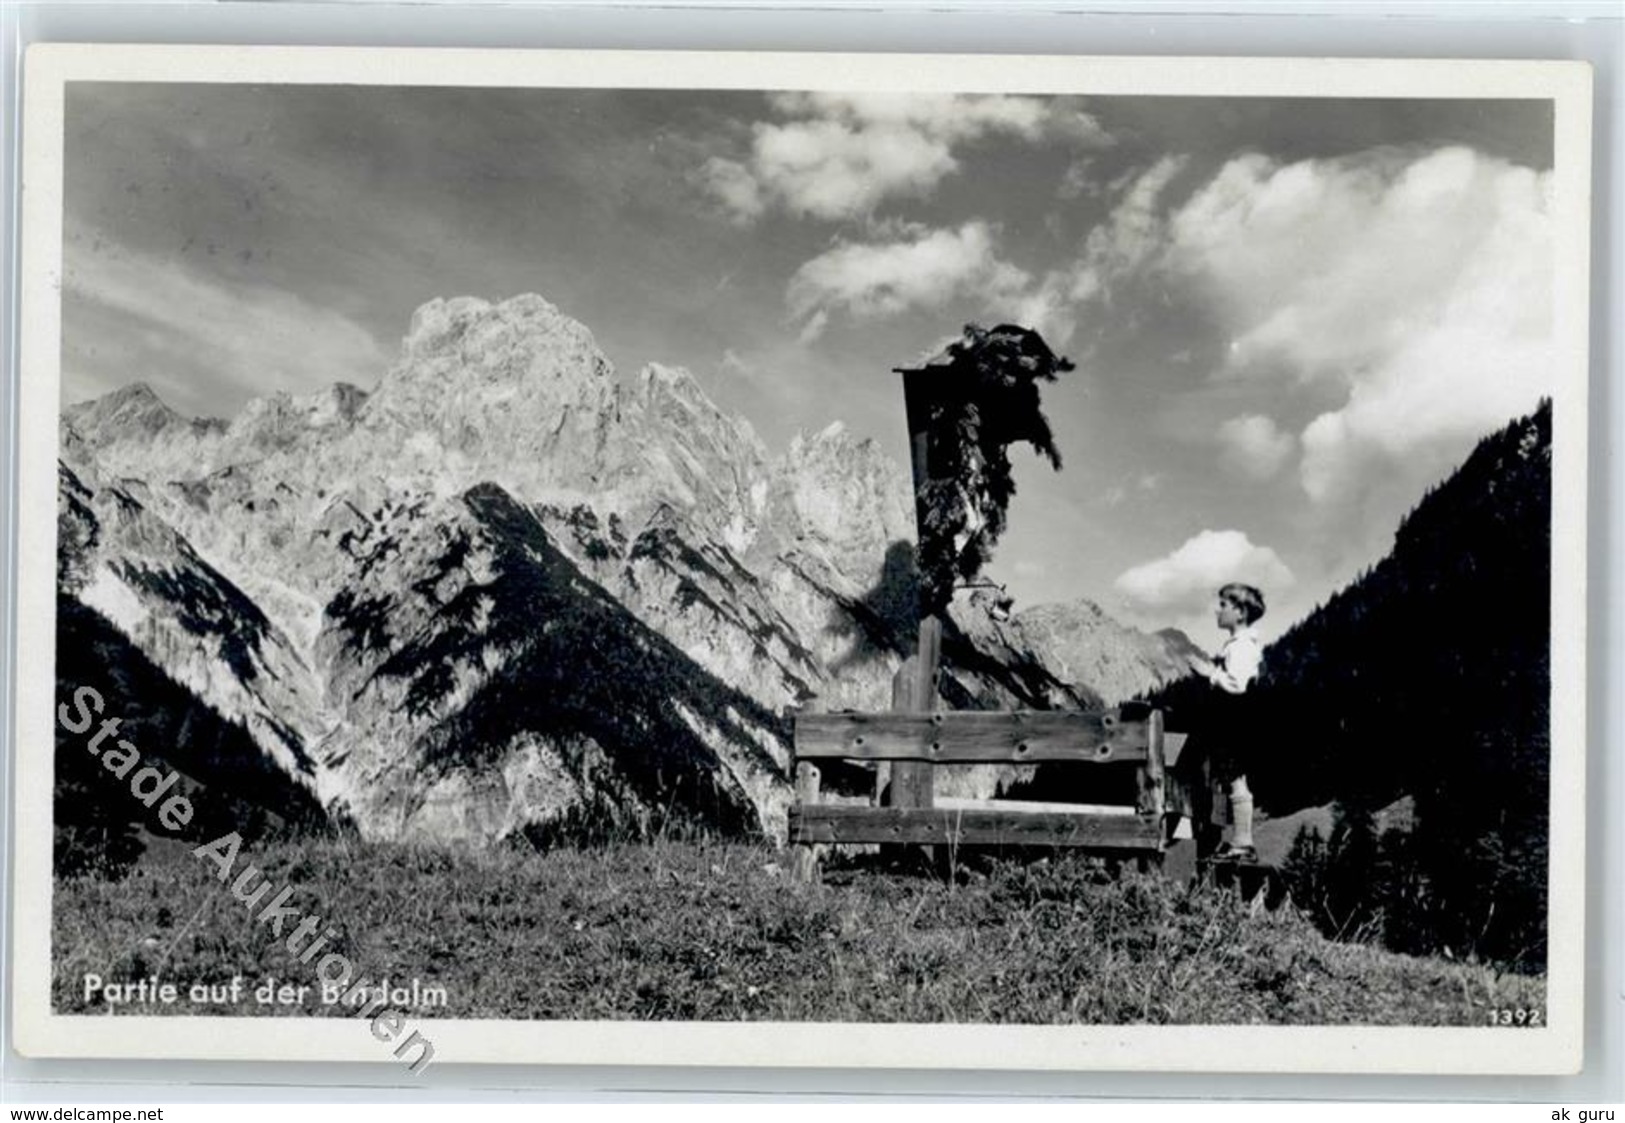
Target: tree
(1343, 883)
(1304, 872)
(1351, 867)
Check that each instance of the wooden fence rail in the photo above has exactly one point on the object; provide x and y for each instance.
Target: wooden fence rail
(970, 737)
(913, 745)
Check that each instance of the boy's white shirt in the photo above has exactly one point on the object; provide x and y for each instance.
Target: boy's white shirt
(1238, 661)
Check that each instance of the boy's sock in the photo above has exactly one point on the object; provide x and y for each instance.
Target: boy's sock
(1241, 815)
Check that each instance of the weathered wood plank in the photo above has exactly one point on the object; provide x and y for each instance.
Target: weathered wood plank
(978, 828)
(1015, 737)
(1150, 773)
(912, 785)
(809, 781)
(1032, 806)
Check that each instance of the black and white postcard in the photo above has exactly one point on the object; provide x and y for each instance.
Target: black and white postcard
(789, 559)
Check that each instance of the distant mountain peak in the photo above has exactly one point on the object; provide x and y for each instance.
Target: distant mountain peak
(345, 398)
(832, 439)
(470, 324)
(136, 405)
(659, 374)
(466, 362)
(1080, 642)
(673, 396)
(133, 432)
(135, 392)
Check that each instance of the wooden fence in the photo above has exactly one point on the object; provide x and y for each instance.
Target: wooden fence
(906, 810)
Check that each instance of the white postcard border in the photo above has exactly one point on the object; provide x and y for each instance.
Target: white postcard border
(1555, 1048)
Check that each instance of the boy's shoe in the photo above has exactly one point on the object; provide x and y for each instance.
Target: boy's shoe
(1229, 853)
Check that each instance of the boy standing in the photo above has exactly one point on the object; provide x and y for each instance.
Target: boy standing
(1231, 673)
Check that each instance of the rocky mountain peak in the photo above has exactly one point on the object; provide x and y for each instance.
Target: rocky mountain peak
(340, 401)
(522, 349)
(516, 392)
(677, 446)
(138, 395)
(282, 421)
(655, 377)
(479, 333)
(829, 441)
(134, 432)
(1080, 643)
(843, 493)
(131, 411)
(672, 399)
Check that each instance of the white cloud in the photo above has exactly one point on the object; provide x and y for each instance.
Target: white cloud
(1421, 288)
(1050, 307)
(1412, 291)
(1133, 232)
(924, 269)
(840, 155)
(920, 267)
(1130, 235)
(251, 338)
(734, 185)
(814, 327)
(1079, 180)
(1255, 446)
(1182, 584)
(954, 116)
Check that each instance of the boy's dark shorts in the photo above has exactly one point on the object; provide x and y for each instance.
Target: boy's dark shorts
(1216, 753)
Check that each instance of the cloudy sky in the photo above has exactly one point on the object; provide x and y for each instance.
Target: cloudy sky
(1289, 316)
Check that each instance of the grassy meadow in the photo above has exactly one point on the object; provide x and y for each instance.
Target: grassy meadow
(715, 931)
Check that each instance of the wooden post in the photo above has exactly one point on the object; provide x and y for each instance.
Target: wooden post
(902, 702)
(1151, 795)
(808, 779)
(1152, 791)
(902, 692)
(914, 691)
(914, 783)
(916, 412)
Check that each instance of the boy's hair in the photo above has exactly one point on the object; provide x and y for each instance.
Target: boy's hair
(1246, 598)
